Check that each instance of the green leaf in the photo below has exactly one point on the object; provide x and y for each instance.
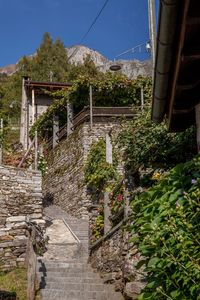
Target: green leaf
(140, 264)
(152, 262)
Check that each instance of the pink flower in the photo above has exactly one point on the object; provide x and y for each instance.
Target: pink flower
(120, 197)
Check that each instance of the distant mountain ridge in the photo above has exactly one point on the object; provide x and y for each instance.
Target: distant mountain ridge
(76, 54)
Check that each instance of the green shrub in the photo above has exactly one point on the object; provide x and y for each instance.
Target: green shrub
(98, 172)
(166, 228)
(152, 146)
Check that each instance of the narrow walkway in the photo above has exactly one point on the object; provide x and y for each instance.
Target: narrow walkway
(63, 271)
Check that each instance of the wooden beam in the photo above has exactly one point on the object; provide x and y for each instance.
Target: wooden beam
(177, 57)
(33, 106)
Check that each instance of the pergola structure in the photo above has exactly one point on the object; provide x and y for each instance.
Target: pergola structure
(35, 101)
(176, 91)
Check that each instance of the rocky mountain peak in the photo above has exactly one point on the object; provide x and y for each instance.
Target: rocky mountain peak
(77, 54)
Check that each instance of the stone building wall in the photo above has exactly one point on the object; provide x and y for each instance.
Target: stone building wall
(64, 181)
(116, 259)
(20, 200)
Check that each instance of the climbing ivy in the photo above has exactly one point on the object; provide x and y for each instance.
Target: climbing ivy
(108, 90)
(97, 171)
(152, 146)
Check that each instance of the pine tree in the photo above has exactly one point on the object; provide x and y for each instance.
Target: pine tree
(42, 61)
(50, 62)
(60, 61)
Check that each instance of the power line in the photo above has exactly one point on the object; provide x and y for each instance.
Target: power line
(90, 27)
(93, 23)
(145, 47)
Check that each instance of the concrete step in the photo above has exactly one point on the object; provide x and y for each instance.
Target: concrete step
(79, 295)
(93, 280)
(73, 286)
(65, 265)
(81, 270)
(88, 275)
(41, 259)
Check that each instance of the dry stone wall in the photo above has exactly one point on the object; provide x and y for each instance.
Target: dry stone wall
(116, 259)
(64, 182)
(20, 200)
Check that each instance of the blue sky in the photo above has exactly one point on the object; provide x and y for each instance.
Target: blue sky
(122, 25)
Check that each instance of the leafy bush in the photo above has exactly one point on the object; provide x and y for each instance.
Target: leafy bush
(152, 146)
(166, 229)
(97, 171)
(98, 226)
(108, 90)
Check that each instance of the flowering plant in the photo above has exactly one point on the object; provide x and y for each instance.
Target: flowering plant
(117, 199)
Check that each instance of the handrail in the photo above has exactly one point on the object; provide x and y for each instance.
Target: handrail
(74, 235)
(26, 154)
(98, 111)
(109, 233)
(67, 225)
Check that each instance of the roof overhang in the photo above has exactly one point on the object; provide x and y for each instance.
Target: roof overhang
(40, 86)
(176, 89)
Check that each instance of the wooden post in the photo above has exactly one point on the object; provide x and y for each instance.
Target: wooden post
(1, 143)
(55, 130)
(91, 114)
(31, 262)
(109, 160)
(197, 113)
(36, 150)
(33, 106)
(24, 116)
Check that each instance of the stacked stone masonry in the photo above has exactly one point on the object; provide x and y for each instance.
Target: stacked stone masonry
(20, 201)
(64, 182)
(116, 259)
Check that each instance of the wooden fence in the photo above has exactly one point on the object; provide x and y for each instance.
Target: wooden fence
(98, 114)
(35, 242)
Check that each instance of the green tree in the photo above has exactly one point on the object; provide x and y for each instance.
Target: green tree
(42, 61)
(50, 61)
(59, 61)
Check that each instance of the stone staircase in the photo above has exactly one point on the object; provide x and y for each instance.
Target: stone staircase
(63, 271)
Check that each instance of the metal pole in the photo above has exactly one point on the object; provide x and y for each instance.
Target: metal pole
(152, 29)
(1, 143)
(91, 115)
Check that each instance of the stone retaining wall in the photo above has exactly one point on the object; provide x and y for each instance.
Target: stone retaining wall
(64, 182)
(116, 259)
(20, 200)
